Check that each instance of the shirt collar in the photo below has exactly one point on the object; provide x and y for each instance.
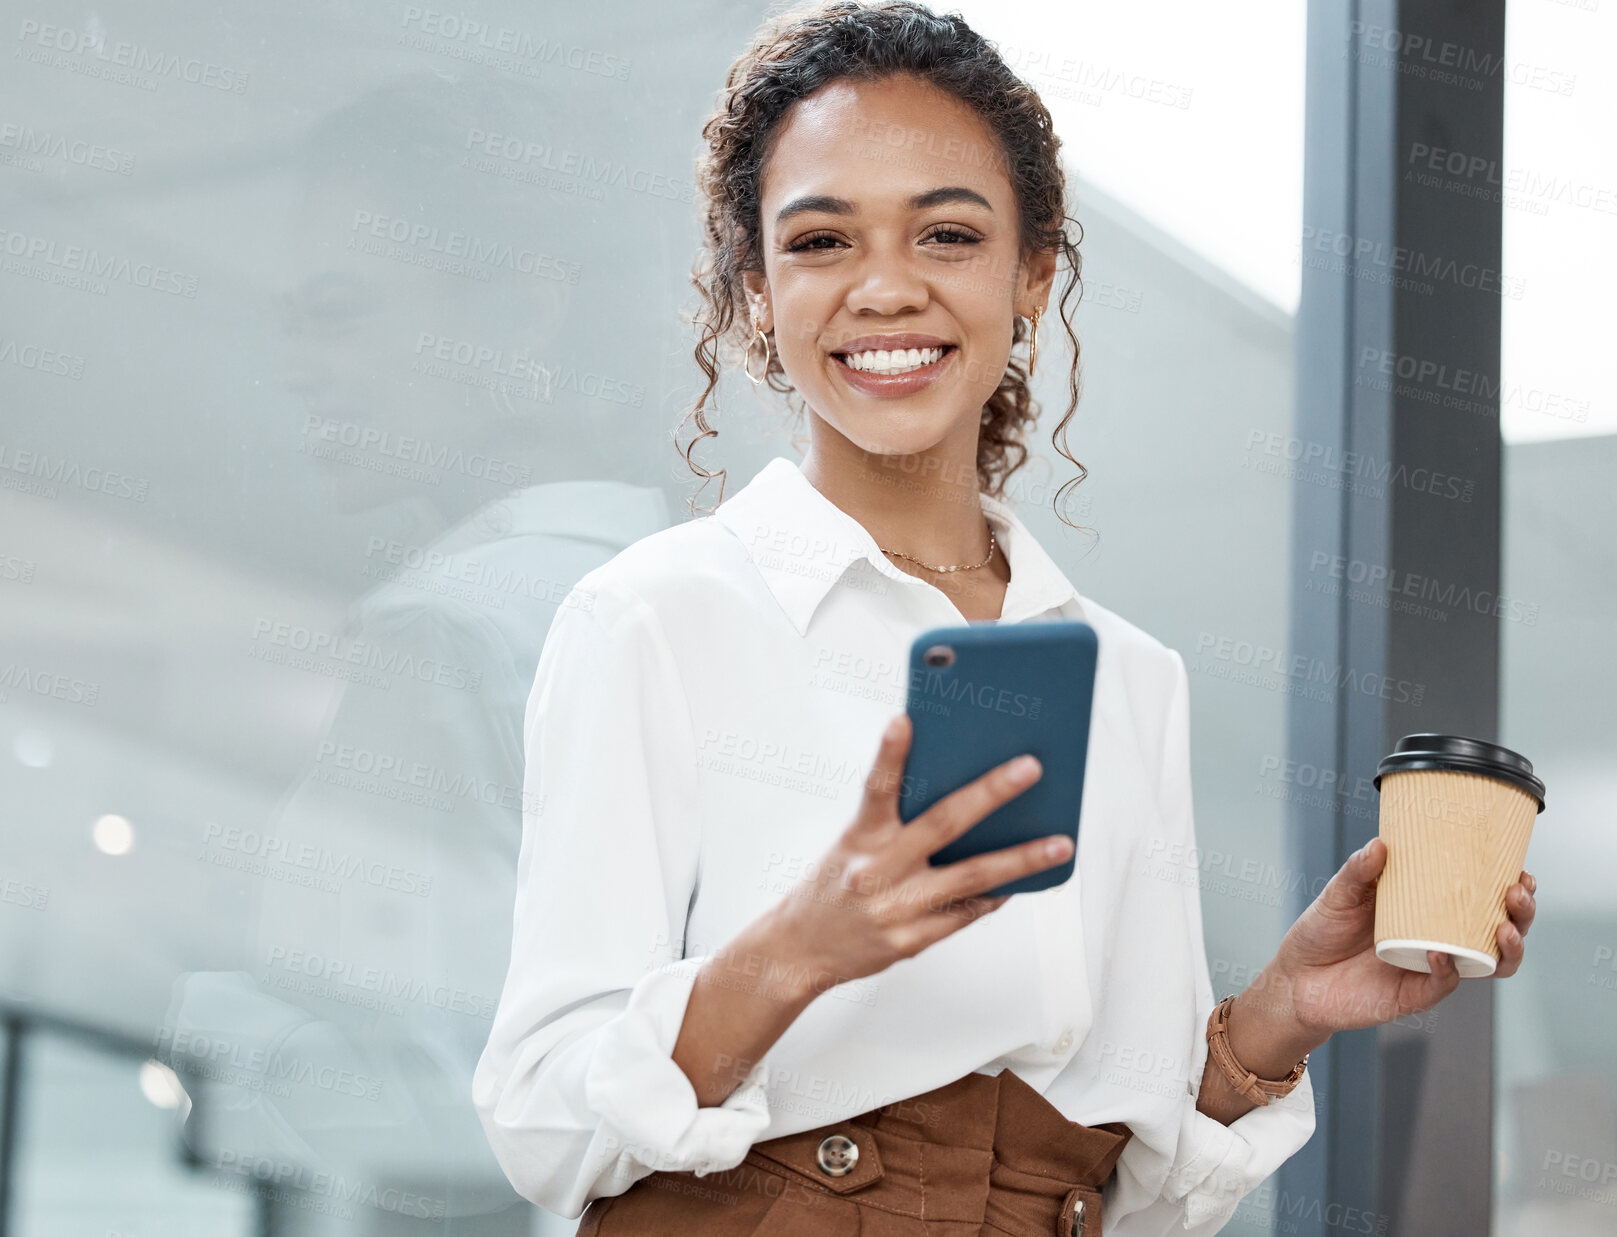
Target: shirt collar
(802, 543)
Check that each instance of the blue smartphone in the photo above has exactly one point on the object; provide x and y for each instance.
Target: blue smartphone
(981, 694)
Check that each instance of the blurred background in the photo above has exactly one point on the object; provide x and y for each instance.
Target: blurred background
(338, 340)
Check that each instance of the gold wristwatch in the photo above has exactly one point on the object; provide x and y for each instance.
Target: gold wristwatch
(1259, 1090)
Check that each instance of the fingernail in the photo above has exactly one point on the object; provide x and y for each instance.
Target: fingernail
(1056, 848)
(894, 729)
(1024, 767)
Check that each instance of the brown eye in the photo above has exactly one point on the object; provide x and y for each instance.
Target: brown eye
(953, 236)
(812, 242)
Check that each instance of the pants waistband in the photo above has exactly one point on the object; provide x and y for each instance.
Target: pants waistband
(984, 1149)
(984, 1154)
(1003, 1114)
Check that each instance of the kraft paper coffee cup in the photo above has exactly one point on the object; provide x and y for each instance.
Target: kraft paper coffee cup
(1456, 815)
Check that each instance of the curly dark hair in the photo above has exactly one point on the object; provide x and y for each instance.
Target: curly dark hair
(794, 54)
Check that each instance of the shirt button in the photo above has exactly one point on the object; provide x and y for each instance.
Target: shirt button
(1065, 1042)
(837, 1155)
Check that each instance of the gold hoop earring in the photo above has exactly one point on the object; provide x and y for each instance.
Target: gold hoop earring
(1033, 341)
(746, 359)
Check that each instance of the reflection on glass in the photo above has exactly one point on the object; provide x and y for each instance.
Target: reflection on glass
(1556, 1072)
(1555, 1045)
(440, 417)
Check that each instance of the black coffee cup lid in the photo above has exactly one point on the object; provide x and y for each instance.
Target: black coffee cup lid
(1461, 755)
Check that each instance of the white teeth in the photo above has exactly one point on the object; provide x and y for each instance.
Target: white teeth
(898, 361)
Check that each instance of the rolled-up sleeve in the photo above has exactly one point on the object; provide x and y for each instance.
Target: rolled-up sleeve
(577, 1088)
(1215, 1165)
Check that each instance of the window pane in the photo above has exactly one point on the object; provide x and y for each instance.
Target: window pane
(99, 1150)
(336, 343)
(1556, 1093)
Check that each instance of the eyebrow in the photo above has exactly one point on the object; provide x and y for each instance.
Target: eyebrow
(825, 204)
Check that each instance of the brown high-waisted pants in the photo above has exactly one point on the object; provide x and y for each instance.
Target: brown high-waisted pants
(983, 1156)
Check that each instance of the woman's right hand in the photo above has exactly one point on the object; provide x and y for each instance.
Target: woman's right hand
(874, 898)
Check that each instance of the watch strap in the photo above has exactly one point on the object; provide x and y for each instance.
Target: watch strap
(1259, 1090)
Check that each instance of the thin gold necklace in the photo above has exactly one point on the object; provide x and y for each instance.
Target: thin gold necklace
(955, 566)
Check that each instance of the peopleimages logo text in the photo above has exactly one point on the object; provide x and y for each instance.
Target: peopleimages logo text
(484, 251)
(1296, 671)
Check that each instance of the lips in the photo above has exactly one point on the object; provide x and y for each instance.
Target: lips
(889, 379)
(896, 361)
(892, 355)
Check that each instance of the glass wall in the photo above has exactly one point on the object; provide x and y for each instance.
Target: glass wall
(1556, 1066)
(100, 1151)
(336, 342)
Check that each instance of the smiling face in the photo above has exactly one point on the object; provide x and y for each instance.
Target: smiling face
(892, 271)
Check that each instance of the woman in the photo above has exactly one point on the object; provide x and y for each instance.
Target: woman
(740, 999)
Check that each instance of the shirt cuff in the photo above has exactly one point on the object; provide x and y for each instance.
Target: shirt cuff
(1230, 1161)
(646, 1099)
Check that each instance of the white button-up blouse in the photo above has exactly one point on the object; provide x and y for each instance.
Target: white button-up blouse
(705, 710)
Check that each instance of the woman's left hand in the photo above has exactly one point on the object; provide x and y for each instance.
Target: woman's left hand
(1327, 963)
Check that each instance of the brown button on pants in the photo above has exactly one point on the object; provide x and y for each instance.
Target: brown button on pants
(983, 1156)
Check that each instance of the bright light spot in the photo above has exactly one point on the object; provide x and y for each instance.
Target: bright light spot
(162, 1086)
(1557, 182)
(1199, 135)
(34, 749)
(113, 835)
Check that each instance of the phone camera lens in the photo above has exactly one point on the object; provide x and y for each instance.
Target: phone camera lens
(939, 655)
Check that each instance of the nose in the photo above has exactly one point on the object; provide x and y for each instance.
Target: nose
(888, 284)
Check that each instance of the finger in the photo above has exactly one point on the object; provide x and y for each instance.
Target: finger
(1355, 881)
(1521, 906)
(966, 878)
(1512, 948)
(976, 906)
(959, 810)
(880, 800)
(948, 919)
(1531, 882)
(1444, 979)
